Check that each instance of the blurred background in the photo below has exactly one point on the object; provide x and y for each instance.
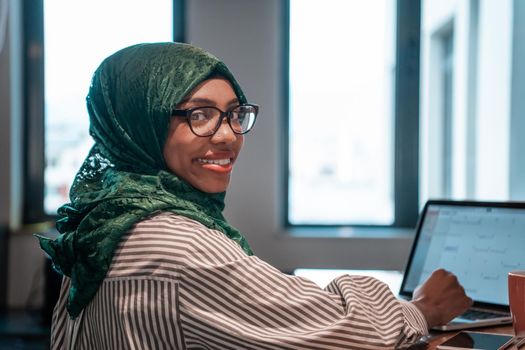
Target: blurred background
(368, 109)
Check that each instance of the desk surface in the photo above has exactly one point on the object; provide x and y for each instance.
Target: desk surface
(439, 337)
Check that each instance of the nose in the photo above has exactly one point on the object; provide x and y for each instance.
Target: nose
(224, 134)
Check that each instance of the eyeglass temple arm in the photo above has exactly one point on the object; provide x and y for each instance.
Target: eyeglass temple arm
(179, 112)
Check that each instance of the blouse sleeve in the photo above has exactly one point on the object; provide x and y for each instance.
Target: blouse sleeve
(231, 301)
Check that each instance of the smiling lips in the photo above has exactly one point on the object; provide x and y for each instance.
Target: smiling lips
(223, 165)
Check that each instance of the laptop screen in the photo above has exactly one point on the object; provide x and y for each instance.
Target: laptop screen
(479, 242)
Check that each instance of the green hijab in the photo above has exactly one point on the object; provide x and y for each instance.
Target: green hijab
(124, 179)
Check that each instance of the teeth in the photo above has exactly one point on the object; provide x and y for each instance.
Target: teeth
(215, 161)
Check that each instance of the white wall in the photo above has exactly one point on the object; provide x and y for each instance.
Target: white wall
(494, 98)
(439, 16)
(517, 144)
(487, 99)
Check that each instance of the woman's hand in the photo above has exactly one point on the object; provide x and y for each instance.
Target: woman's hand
(441, 298)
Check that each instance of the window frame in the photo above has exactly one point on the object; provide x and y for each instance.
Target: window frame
(406, 116)
(33, 101)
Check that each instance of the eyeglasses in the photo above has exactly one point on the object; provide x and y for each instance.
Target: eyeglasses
(205, 121)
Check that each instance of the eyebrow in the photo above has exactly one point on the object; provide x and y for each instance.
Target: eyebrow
(207, 101)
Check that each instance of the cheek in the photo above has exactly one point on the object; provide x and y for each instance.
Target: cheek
(170, 156)
(239, 142)
(175, 146)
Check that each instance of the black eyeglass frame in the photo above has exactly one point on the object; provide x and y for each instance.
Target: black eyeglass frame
(186, 113)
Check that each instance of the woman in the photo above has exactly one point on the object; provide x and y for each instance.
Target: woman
(150, 262)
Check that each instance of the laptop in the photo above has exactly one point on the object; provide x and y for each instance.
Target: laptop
(480, 242)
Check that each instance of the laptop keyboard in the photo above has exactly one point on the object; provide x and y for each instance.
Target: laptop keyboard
(481, 315)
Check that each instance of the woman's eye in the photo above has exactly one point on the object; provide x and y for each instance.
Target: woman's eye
(200, 115)
(238, 116)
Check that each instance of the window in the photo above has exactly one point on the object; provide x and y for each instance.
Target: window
(471, 115)
(447, 73)
(383, 154)
(347, 112)
(69, 39)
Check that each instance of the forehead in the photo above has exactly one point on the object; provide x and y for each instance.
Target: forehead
(216, 89)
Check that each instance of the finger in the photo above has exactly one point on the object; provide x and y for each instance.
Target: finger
(470, 301)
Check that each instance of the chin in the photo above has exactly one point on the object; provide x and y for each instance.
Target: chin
(213, 188)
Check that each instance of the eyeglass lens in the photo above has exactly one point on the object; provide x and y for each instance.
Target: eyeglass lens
(205, 121)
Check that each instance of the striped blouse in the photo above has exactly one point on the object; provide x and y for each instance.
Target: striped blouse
(175, 284)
